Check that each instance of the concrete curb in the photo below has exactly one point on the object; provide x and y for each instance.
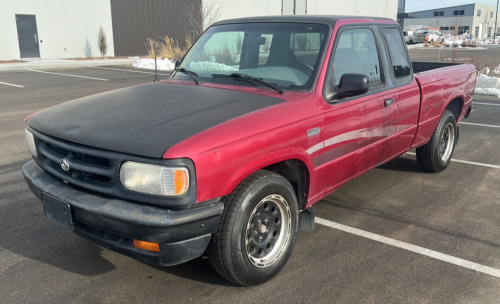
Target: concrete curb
(61, 63)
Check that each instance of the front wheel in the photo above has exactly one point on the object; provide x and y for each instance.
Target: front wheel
(257, 230)
(435, 156)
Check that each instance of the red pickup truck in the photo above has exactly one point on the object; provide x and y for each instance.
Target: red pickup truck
(261, 119)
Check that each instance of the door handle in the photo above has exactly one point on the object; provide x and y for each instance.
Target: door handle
(388, 102)
(35, 39)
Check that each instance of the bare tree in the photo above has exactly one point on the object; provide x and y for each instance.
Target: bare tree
(202, 14)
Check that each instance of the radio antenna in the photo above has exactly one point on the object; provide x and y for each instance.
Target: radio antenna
(154, 42)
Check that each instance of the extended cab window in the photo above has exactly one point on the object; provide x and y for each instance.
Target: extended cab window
(357, 52)
(397, 51)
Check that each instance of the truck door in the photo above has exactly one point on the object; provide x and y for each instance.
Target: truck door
(405, 92)
(356, 130)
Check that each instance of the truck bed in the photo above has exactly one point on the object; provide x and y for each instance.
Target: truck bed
(441, 84)
(423, 66)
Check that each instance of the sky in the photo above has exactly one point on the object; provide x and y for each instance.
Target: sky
(421, 5)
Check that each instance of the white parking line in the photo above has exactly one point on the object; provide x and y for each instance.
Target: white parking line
(413, 248)
(93, 67)
(11, 84)
(467, 162)
(68, 75)
(488, 104)
(481, 125)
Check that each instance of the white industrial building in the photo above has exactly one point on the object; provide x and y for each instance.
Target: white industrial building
(69, 28)
(476, 19)
(53, 28)
(249, 8)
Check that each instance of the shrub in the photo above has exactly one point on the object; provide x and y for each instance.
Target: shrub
(301, 41)
(464, 44)
(426, 44)
(455, 45)
(102, 42)
(238, 43)
(437, 44)
(224, 55)
(447, 45)
(168, 47)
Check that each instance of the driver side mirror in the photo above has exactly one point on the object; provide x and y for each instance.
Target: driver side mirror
(351, 84)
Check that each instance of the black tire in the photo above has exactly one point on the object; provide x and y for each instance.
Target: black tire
(436, 155)
(242, 228)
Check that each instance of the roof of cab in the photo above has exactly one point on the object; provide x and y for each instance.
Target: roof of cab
(324, 19)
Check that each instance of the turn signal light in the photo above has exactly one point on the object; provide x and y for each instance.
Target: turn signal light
(155, 247)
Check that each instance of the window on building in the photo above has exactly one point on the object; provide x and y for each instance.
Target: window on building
(397, 52)
(461, 12)
(452, 28)
(436, 14)
(444, 28)
(463, 29)
(491, 14)
(490, 30)
(479, 13)
(476, 31)
(441, 13)
(455, 13)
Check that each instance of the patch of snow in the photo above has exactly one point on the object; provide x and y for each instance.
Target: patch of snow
(210, 66)
(149, 63)
(487, 85)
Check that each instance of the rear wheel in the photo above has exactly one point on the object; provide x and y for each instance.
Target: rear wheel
(436, 155)
(257, 230)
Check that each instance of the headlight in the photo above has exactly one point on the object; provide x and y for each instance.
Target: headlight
(30, 141)
(156, 180)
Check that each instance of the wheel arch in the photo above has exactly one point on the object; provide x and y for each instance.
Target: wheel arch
(297, 174)
(455, 106)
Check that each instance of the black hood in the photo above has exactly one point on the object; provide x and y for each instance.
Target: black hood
(145, 120)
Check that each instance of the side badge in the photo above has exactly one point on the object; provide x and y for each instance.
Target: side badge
(313, 132)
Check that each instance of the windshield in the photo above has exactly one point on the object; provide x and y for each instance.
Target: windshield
(286, 55)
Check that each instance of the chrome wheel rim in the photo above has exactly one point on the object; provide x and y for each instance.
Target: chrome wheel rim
(445, 146)
(268, 230)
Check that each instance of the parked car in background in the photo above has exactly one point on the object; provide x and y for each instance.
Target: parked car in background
(412, 37)
(433, 36)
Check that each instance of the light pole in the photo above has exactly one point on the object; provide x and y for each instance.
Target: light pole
(496, 18)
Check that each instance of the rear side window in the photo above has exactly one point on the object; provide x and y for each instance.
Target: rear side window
(397, 51)
(357, 53)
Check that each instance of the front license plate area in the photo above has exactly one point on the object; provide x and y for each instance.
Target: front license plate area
(57, 211)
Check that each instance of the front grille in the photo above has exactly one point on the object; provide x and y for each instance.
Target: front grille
(89, 168)
(99, 170)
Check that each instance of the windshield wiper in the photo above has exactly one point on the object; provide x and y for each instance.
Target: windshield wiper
(190, 73)
(245, 76)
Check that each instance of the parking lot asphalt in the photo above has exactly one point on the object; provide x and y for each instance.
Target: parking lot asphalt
(392, 235)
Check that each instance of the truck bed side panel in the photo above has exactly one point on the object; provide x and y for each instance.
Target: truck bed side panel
(438, 89)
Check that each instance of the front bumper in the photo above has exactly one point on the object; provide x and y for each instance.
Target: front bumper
(113, 223)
